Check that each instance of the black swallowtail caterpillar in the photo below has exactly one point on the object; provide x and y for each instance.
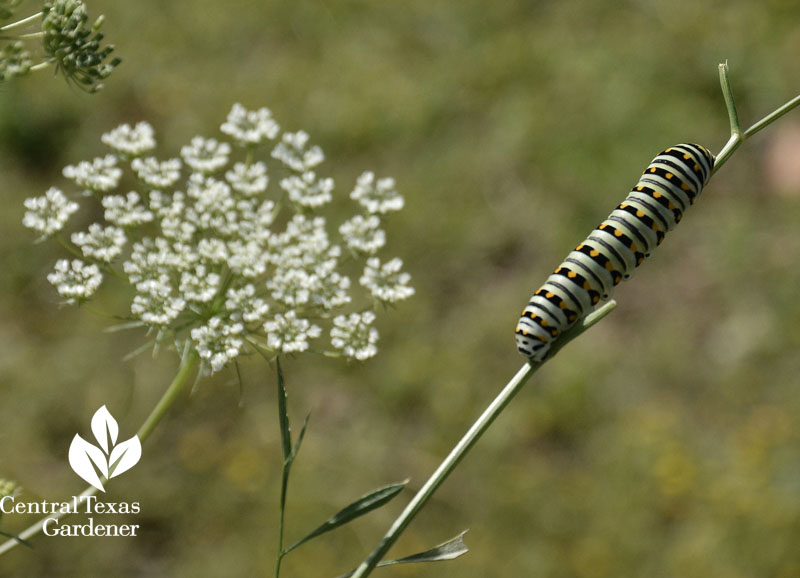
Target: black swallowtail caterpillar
(672, 182)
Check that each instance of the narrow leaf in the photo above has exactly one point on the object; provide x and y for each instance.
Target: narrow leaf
(449, 550)
(300, 438)
(363, 505)
(283, 416)
(124, 326)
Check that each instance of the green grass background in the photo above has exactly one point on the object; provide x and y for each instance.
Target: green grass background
(665, 442)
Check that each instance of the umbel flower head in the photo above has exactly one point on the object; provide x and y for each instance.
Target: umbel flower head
(73, 47)
(216, 257)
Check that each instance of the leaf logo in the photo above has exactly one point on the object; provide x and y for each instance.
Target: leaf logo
(110, 459)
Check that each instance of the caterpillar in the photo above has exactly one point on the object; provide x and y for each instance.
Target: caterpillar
(669, 185)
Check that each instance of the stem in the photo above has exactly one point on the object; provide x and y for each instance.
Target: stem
(516, 383)
(187, 365)
(286, 443)
(40, 66)
(737, 136)
(20, 22)
(468, 441)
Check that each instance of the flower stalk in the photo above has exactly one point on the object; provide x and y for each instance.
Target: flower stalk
(187, 367)
(518, 381)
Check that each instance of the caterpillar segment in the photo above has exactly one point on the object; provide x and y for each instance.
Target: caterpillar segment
(669, 185)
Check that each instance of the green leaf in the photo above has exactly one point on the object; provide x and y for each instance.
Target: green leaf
(283, 416)
(449, 550)
(363, 505)
(299, 439)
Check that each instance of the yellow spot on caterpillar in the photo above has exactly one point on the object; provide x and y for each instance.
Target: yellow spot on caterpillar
(562, 305)
(671, 206)
(656, 195)
(594, 253)
(617, 233)
(684, 187)
(652, 170)
(608, 266)
(685, 156)
(696, 167)
(595, 299)
(669, 176)
(639, 188)
(640, 213)
(549, 295)
(544, 323)
(579, 247)
(572, 274)
(586, 285)
(634, 247)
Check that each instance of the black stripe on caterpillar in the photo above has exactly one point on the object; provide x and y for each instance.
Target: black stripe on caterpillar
(669, 185)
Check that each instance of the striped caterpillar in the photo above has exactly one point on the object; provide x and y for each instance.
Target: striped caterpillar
(672, 182)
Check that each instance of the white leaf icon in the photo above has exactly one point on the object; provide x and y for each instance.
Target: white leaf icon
(104, 426)
(124, 456)
(82, 455)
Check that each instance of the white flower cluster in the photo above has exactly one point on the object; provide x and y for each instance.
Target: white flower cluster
(203, 258)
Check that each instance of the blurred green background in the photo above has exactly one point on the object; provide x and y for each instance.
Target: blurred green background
(664, 442)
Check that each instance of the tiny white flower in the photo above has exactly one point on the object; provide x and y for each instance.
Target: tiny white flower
(243, 303)
(292, 152)
(331, 291)
(289, 334)
(218, 341)
(75, 280)
(131, 141)
(127, 211)
(206, 155)
(157, 307)
(199, 285)
(101, 175)
(306, 191)
(159, 175)
(102, 243)
(362, 234)
(250, 127)
(49, 213)
(354, 336)
(386, 282)
(292, 287)
(249, 180)
(377, 197)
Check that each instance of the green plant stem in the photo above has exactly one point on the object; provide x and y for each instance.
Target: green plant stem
(40, 66)
(20, 22)
(738, 137)
(515, 385)
(286, 444)
(468, 441)
(188, 363)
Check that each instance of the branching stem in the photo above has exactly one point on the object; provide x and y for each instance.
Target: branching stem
(515, 385)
